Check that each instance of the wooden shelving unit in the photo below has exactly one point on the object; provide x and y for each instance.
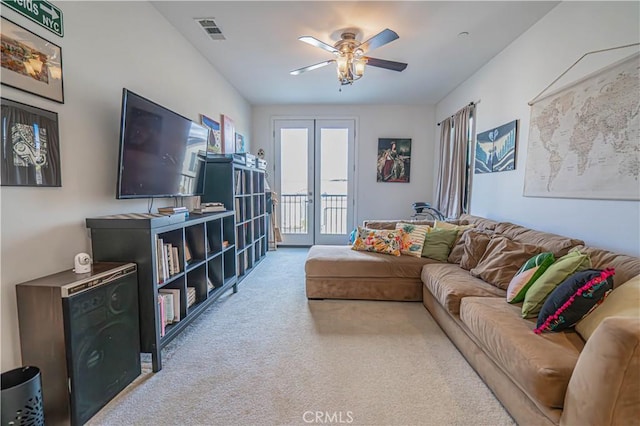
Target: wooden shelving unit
(242, 189)
(134, 238)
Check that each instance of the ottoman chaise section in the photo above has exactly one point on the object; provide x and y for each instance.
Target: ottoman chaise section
(338, 272)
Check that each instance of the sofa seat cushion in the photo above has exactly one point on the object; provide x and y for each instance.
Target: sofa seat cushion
(341, 261)
(449, 284)
(541, 365)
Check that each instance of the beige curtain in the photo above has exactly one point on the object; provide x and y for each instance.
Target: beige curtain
(452, 172)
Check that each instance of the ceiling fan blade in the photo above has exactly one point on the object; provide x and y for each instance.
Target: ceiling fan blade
(380, 39)
(389, 65)
(317, 43)
(311, 67)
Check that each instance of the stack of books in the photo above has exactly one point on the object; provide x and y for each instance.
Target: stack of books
(169, 307)
(172, 210)
(167, 260)
(191, 296)
(209, 208)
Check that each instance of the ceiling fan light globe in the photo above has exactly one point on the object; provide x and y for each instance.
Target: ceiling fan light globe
(358, 67)
(343, 64)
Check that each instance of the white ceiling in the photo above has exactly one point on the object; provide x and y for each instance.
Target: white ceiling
(262, 45)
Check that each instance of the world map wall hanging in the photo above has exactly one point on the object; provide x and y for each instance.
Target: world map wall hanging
(584, 139)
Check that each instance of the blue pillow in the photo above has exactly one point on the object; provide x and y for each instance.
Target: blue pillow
(352, 236)
(574, 298)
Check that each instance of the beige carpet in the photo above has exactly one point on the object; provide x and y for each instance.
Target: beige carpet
(267, 356)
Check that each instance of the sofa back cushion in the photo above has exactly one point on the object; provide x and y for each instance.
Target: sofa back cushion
(502, 260)
(391, 224)
(626, 266)
(556, 244)
(624, 301)
(474, 244)
(478, 222)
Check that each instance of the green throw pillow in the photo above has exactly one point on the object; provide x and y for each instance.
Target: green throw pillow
(555, 274)
(438, 242)
(527, 275)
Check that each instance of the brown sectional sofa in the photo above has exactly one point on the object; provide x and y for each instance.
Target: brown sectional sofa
(547, 379)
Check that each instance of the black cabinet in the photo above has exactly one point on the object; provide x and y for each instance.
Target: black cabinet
(193, 259)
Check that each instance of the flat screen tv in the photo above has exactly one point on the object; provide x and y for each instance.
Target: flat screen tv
(162, 154)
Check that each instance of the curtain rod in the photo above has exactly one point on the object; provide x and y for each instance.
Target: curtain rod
(470, 104)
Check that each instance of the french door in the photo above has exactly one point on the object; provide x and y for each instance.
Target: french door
(314, 180)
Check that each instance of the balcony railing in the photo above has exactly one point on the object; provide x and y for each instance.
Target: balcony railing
(294, 218)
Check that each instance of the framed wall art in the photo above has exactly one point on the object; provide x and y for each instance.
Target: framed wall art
(215, 137)
(30, 146)
(228, 135)
(496, 149)
(30, 63)
(240, 146)
(394, 160)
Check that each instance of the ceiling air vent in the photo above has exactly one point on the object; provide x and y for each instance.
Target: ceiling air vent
(211, 28)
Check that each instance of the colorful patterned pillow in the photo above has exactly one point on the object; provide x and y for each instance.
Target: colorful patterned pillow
(378, 241)
(560, 270)
(573, 299)
(414, 236)
(438, 243)
(527, 275)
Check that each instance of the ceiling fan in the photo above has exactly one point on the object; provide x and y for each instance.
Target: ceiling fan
(350, 55)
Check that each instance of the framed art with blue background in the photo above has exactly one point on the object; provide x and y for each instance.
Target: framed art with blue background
(215, 137)
(30, 146)
(496, 149)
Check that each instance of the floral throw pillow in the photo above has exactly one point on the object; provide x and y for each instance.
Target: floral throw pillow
(379, 241)
(414, 236)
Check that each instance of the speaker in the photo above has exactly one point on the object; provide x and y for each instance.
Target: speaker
(92, 350)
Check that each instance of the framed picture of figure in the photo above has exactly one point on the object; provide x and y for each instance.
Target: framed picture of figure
(394, 160)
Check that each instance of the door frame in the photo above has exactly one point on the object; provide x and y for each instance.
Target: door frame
(356, 163)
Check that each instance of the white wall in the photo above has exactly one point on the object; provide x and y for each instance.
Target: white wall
(517, 75)
(374, 200)
(107, 46)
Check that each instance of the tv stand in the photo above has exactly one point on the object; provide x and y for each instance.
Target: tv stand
(205, 267)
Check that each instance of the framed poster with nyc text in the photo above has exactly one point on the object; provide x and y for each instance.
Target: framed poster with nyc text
(30, 63)
(30, 146)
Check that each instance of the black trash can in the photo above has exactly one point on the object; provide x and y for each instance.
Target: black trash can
(21, 397)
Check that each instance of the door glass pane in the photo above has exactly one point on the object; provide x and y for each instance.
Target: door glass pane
(334, 156)
(294, 169)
